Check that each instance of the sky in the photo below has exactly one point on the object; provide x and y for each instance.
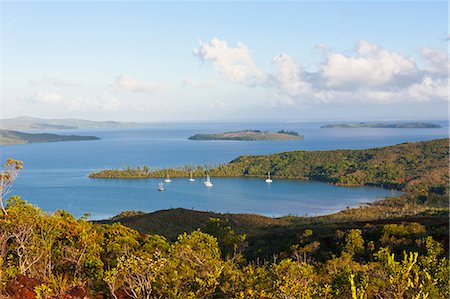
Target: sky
(233, 60)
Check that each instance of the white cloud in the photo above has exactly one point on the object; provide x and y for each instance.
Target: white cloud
(437, 59)
(45, 98)
(234, 63)
(371, 66)
(429, 89)
(128, 83)
(372, 74)
(288, 78)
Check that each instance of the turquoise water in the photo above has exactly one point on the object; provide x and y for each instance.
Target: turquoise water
(55, 174)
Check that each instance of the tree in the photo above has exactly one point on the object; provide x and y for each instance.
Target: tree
(7, 177)
(354, 242)
(136, 274)
(230, 243)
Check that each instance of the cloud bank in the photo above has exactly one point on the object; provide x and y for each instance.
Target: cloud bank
(370, 74)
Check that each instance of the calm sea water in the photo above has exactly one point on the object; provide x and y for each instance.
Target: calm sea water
(55, 174)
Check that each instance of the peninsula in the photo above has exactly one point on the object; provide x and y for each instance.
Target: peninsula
(249, 135)
(15, 137)
(410, 125)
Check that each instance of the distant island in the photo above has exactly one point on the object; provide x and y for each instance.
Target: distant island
(15, 137)
(411, 125)
(249, 135)
(32, 123)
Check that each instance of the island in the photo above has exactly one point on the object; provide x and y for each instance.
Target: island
(400, 125)
(250, 135)
(15, 137)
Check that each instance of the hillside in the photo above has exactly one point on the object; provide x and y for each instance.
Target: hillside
(32, 123)
(267, 236)
(15, 137)
(249, 135)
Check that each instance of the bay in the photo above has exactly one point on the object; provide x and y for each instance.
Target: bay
(56, 174)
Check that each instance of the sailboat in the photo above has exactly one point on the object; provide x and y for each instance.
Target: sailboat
(268, 180)
(167, 180)
(208, 182)
(191, 179)
(161, 186)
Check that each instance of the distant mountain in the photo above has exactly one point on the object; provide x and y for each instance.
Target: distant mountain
(32, 123)
(15, 137)
(411, 125)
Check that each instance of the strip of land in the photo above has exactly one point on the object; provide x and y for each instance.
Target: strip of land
(15, 137)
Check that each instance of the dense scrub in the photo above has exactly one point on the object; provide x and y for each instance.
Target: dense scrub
(419, 168)
(267, 236)
(61, 253)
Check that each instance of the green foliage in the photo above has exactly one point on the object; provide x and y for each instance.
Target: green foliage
(294, 279)
(230, 244)
(354, 242)
(43, 291)
(63, 252)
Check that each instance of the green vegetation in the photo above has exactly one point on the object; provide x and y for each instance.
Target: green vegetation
(15, 137)
(345, 255)
(249, 135)
(412, 125)
(61, 254)
(288, 132)
(420, 169)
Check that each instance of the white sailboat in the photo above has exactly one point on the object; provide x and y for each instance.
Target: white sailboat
(268, 180)
(208, 182)
(167, 180)
(161, 186)
(191, 179)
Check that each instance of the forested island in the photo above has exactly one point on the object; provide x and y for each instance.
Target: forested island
(250, 135)
(15, 137)
(394, 248)
(400, 125)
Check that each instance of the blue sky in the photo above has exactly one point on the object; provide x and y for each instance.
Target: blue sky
(170, 61)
